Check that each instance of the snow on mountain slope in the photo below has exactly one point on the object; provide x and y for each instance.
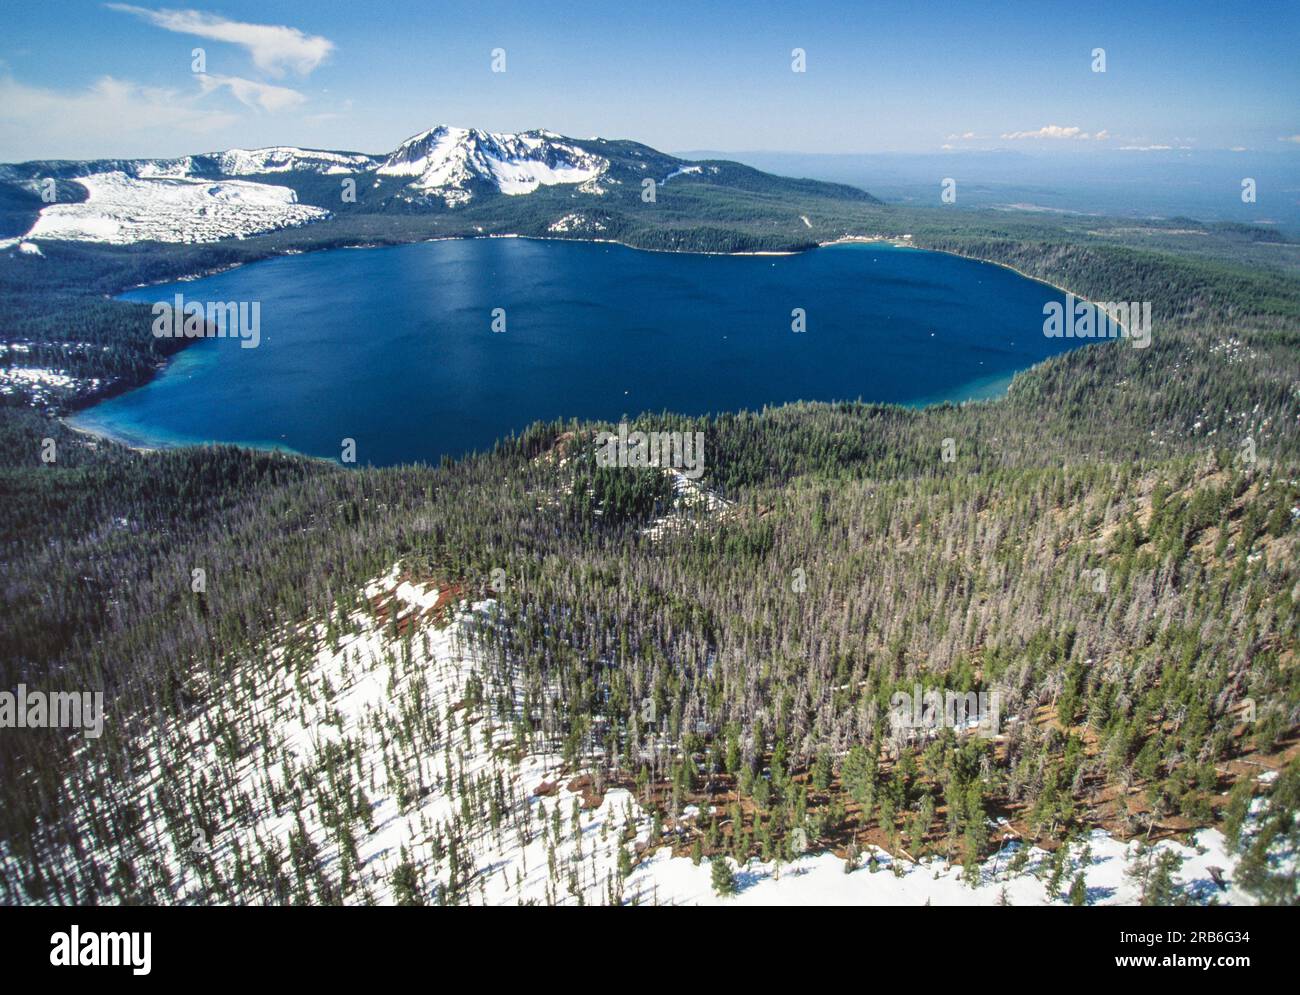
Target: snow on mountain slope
(685, 171)
(368, 750)
(151, 169)
(821, 879)
(376, 755)
(451, 162)
(122, 209)
(189, 199)
(235, 162)
(284, 159)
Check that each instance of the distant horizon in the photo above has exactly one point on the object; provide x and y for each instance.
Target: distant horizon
(1201, 184)
(702, 152)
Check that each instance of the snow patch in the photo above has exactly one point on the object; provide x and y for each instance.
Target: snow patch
(683, 171)
(165, 168)
(122, 209)
(41, 384)
(821, 879)
(285, 159)
(575, 222)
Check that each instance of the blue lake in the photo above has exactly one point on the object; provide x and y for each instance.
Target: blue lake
(394, 347)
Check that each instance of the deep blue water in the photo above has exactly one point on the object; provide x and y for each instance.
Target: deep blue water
(393, 347)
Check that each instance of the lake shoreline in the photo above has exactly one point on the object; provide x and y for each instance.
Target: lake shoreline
(105, 435)
(978, 389)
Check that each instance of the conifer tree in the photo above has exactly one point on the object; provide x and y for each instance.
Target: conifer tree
(724, 881)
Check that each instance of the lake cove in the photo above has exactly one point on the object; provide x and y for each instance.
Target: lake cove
(420, 351)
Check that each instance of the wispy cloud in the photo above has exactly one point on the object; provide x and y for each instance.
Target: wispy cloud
(1290, 138)
(262, 96)
(1057, 132)
(95, 121)
(274, 48)
(344, 110)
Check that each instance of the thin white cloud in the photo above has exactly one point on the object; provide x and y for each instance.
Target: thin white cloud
(1145, 148)
(103, 119)
(1290, 138)
(1057, 132)
(274, 48)
(260, 96)
(965, 136)
(324, 116)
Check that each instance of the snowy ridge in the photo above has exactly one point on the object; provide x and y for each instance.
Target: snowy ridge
(121, 209)
(285, 159)
(450, 162)
(234, 162)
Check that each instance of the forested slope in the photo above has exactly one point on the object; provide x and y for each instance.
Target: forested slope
(1112, 549)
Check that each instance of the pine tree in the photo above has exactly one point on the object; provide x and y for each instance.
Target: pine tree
(1059, 861)
(724, 881)
(1234, 816)
(1079, 890)
(822, 771)
(406, 884)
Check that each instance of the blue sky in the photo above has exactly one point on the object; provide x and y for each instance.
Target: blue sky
(81, 79)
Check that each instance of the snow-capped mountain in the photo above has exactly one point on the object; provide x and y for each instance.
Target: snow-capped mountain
(452, 163)
(192, 198)
(238, 192)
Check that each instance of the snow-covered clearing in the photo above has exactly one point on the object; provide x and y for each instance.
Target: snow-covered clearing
(122, 209)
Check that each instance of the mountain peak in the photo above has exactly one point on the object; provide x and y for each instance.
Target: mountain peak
(452, 163)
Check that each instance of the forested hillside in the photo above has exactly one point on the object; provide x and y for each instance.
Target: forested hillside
(1111, 548)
